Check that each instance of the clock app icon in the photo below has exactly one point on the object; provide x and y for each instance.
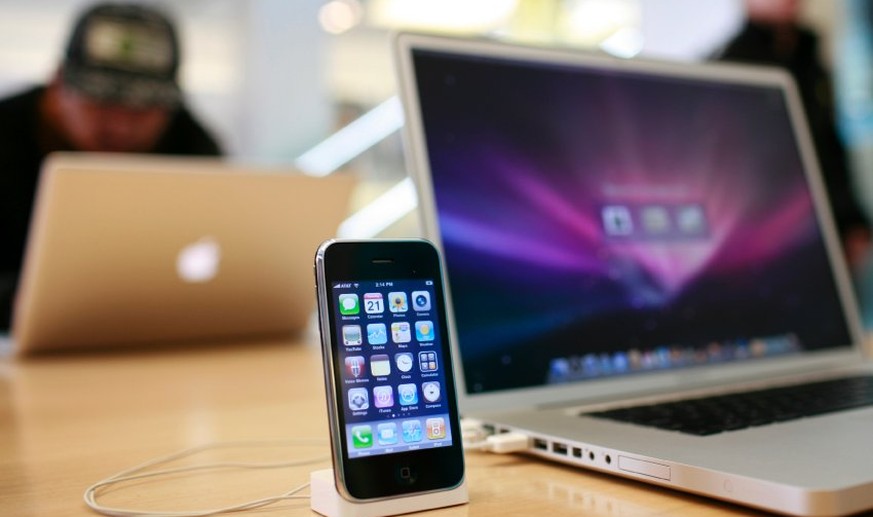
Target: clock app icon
(404, 362)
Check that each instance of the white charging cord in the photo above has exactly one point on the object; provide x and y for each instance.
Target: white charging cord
(138, 472)
(477, 438)
(474, 436)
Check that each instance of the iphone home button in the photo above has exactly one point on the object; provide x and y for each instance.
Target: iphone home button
(405, 474)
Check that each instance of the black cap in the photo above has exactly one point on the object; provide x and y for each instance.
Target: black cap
(125, 54)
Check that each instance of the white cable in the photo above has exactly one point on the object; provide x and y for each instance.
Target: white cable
(472, 432)
(503, 443)
(476, 438)
(136, 472)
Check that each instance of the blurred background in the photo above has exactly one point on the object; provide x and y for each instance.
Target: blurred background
(273, 79)
(310, 83)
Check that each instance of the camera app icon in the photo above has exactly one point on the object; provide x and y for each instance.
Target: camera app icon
(420, 301)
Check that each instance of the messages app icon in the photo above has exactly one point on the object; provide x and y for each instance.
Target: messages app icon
(348, 304)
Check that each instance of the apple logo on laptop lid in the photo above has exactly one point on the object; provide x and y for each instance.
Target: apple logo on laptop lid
(198, 262)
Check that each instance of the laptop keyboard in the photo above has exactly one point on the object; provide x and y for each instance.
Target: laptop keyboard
(721, 413)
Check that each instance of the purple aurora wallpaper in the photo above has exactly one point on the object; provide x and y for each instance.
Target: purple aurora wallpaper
(602, 223)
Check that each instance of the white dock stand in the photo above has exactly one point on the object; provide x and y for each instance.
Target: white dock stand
(326, 500)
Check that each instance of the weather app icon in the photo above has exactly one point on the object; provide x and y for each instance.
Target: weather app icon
(424, 330)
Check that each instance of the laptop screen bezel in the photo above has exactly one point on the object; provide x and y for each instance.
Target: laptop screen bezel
(417, 158)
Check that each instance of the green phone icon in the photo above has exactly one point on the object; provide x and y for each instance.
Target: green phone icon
(362, 436)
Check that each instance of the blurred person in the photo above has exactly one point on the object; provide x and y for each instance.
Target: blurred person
(854, 82)
(115, 90)
(773, 35)
(854, 87)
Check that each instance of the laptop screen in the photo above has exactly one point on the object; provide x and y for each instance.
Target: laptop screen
(599, 223)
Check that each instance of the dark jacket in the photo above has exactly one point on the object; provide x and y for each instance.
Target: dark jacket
(756, 44)
(20, 160)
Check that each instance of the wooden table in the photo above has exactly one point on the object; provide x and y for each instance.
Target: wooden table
(68, 421)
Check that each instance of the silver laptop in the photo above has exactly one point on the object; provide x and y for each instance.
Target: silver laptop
(642, 267)
(136, 250)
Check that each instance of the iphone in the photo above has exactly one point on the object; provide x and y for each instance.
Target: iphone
(389, 378)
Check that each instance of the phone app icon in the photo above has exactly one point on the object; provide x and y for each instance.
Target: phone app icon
(403, 361)
(355, 366)
(424, 330)
(400, 332)
(420, 301)
(374, 303)
(383, 396)
(411, 431)
(436, 428)
(408, 394)
(362, 436)
(397, 302)
(427, 362)
(348, 304)
(377, 333)
(352, 335)
(359, 399)
(387, 433)
(380, 365)
(431, 391)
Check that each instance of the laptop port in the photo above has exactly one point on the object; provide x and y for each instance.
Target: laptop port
(540, 444)
(577, 452)
(559, 448)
